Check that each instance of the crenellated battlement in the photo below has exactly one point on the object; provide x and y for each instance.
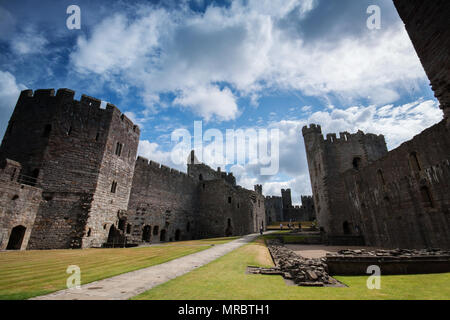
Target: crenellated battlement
(313, 128)
(90, 101)
(66, 96)
(152, 166)
(345, 137)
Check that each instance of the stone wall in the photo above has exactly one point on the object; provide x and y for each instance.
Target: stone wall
(19, 204)
(427, 23)
(202, 172)
(274, 209)
(399, 200)
(94, 193)
(108, 207)
(67, 147)
(327, 160)
(224, 209)
(161, 199)
(403, 199)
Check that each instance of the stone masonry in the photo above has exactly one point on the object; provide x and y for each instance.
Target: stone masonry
(399, 198)
(280, 209)
(82, 159)
(19, 204)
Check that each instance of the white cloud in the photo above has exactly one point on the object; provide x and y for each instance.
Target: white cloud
(210, 101)
(29, 41)
(398, 123)
(9, 92)
(153, 151)
(243, 47)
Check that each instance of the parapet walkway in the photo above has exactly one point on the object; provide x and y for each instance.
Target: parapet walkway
(131, 284)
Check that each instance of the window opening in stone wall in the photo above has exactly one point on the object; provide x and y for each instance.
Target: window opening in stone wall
(128, 228)
(356, 163)
(119, 147)
(155, 230)
(229, 199)
(414, 161)
(114, 187)
(177, 235)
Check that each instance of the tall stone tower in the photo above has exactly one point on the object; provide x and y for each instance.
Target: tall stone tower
(287, 198)
(82, 156)
(327, 159)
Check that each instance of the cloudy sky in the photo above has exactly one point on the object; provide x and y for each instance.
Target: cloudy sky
(231, 64)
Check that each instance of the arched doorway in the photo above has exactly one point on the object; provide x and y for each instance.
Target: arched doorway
(16, 238)
(346, 228)
(113, 235)
(177, 235)
(229, 230)
(146, 233)
(162, 236)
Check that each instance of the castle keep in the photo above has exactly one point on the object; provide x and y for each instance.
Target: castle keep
(71, 180)
(399, 198)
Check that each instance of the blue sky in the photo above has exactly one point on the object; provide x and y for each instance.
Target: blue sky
(232, 64)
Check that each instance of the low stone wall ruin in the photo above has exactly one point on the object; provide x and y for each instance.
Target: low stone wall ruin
(397, 261)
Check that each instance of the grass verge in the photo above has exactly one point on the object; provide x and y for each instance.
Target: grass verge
(225, 278)
(26, 274)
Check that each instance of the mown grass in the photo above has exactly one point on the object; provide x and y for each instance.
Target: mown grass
(276, 225)
(26, 274)
(286, 238)
(226, 279)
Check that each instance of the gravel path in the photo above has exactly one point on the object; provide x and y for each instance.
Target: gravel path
(130, 284)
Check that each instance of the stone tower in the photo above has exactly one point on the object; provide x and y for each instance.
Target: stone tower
(287, 199)
(82, 156)
(327, 159)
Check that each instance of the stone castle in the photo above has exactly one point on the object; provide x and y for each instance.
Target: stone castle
(365, 194)
(280, 209)
(70, 179)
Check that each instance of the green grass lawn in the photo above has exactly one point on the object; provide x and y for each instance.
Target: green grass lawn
(225, 279)
(276, 225)
(25, 274)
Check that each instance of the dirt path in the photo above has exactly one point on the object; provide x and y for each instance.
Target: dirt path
(130, 284)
